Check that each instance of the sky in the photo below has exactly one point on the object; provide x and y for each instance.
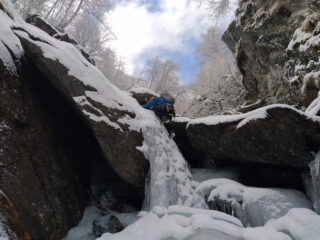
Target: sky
(160, 28)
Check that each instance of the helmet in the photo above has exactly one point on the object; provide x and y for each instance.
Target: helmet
(168, 97)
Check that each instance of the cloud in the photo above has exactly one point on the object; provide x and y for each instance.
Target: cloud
(146, 27)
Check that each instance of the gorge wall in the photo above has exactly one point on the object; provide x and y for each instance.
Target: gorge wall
(277, 48)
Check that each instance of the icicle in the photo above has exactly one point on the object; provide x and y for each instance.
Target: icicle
(315, 179)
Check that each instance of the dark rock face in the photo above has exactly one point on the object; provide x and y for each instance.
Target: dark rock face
(194, 157)
(109, 224)
(39, 22)
(121, 161)
(36, 171)
(285, 137)
(51, 163)
(142, 98)
(260, 39)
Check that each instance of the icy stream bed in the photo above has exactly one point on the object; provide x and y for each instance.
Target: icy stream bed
(281, 214)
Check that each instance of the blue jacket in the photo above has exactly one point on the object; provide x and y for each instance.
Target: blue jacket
(158, 100)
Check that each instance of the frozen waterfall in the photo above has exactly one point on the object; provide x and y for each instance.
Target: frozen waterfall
(169, 181)
(315, 179)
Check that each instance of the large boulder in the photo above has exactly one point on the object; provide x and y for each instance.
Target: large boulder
(275, 44)
(143, 95)
(41, 23)
(68, 135)
(102, 107)
(38, 180)
(277, 134)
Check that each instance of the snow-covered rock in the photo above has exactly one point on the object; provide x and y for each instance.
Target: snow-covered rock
(253, 206)
(275, 46)
(181, 223)
(276, 134)
(60, 117)
(143, 95)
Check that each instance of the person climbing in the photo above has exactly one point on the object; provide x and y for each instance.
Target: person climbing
(163, 107)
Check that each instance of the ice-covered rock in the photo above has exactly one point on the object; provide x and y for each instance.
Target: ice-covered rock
(299, 224)
(203, 174)
(315, 182)
(169, 181)
(177, 223)
(253, 206)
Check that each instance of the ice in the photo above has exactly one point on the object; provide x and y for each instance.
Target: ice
(3, 232)
(84, 230)
(202, 174)
(300, 224)
(169, 182)
(180, 223)
(253, 206)
(315, 181)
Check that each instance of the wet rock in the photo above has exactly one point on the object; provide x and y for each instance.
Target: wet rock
(106, 224)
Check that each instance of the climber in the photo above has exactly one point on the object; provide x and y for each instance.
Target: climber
(164, 109)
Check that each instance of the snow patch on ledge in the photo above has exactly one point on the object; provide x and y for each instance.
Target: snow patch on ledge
(8, 40)
(245, 118)
(142, 90)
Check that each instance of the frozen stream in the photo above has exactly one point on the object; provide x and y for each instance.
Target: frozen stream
(175, 207)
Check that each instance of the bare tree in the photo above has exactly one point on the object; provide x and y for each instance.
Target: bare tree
(217, 78)
(217, 7)
(162, 75)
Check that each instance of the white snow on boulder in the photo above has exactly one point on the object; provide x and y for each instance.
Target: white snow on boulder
(181, 223)
(253, 206)
(244, 118)
(169, 171)
(9, 42)
(142, 90)
(300, 224)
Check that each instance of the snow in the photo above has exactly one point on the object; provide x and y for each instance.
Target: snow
(84, 230)
(142, 90)
(183, 223)
(301, 224)
(181, 119)
(8, 40)
(243, 119)
(253, 206)
(180, 223)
